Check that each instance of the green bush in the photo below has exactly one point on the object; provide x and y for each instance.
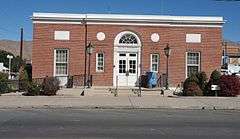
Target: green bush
(28, 69)
(202, 80)
(193, 78)
(50, 86)
(214, 80)
(3, 76)
(24, 80)
(215, 77)
(33, 89)
(3, 83)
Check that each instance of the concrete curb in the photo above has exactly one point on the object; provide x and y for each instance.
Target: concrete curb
(117, 107)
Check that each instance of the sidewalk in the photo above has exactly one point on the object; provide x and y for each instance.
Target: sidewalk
(70, 98)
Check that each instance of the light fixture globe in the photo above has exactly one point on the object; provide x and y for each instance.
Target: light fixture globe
(9, 56)
(90, 48)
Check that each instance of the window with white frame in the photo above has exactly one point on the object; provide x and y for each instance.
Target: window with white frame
(61, 62)
(99, 62)
(193, 63)
(154, 62)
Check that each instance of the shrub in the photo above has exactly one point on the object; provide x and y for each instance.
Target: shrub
(28, 69)
(33, 89)
(230, 85)
(193, 78)
(214, 80)
(3, 83)
(195, 84)
(50, 86)
(192, 89)
(215, 77)
(3, 76)
(202, 80)
(24, 80)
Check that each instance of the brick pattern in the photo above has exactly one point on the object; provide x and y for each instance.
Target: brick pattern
(44, 45)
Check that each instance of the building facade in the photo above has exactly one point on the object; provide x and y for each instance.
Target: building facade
(231, 53)
(231, 58)
(124, 46)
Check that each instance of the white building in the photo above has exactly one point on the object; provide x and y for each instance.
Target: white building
(3, 69)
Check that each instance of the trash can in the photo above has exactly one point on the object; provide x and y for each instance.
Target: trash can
(152, 79)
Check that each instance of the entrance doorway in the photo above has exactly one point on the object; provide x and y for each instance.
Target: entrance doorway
(127, 69)
(127, 48)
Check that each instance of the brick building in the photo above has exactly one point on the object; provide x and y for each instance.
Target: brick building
(125, 46)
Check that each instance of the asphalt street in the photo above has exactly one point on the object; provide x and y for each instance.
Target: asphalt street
(119, 123)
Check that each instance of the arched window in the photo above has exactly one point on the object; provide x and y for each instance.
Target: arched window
(128, 39)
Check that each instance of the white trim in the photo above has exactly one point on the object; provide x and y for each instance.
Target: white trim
(97, 62)
(119, 36)
(127, 17)
(132, 20)
(54, 66)
(186, 64)
(125, 49)
(155, 24)
(194, 25)
(158, 61)
(56, 22)
(54, 62)
(129, 24)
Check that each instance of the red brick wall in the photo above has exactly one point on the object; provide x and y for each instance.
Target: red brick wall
(44, 44)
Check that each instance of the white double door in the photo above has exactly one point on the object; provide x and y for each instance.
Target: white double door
(127, 70)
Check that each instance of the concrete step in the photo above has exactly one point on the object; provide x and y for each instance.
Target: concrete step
(106, 91)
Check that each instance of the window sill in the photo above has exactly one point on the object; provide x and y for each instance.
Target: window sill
(99, 71)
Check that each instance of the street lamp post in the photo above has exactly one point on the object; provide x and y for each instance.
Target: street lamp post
(89, 51)
(9, 66)
(85, 54)
(167, 51)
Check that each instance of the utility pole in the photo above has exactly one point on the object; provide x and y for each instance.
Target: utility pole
(21, 45)
(20, 64)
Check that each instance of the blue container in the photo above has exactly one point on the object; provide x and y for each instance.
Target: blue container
(152, 79)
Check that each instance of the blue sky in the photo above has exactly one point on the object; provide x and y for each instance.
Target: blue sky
(15, 14)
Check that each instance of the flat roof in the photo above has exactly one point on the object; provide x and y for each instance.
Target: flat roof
(128, 18)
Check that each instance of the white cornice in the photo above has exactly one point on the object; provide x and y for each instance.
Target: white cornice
(128, 24)
(130, 19)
